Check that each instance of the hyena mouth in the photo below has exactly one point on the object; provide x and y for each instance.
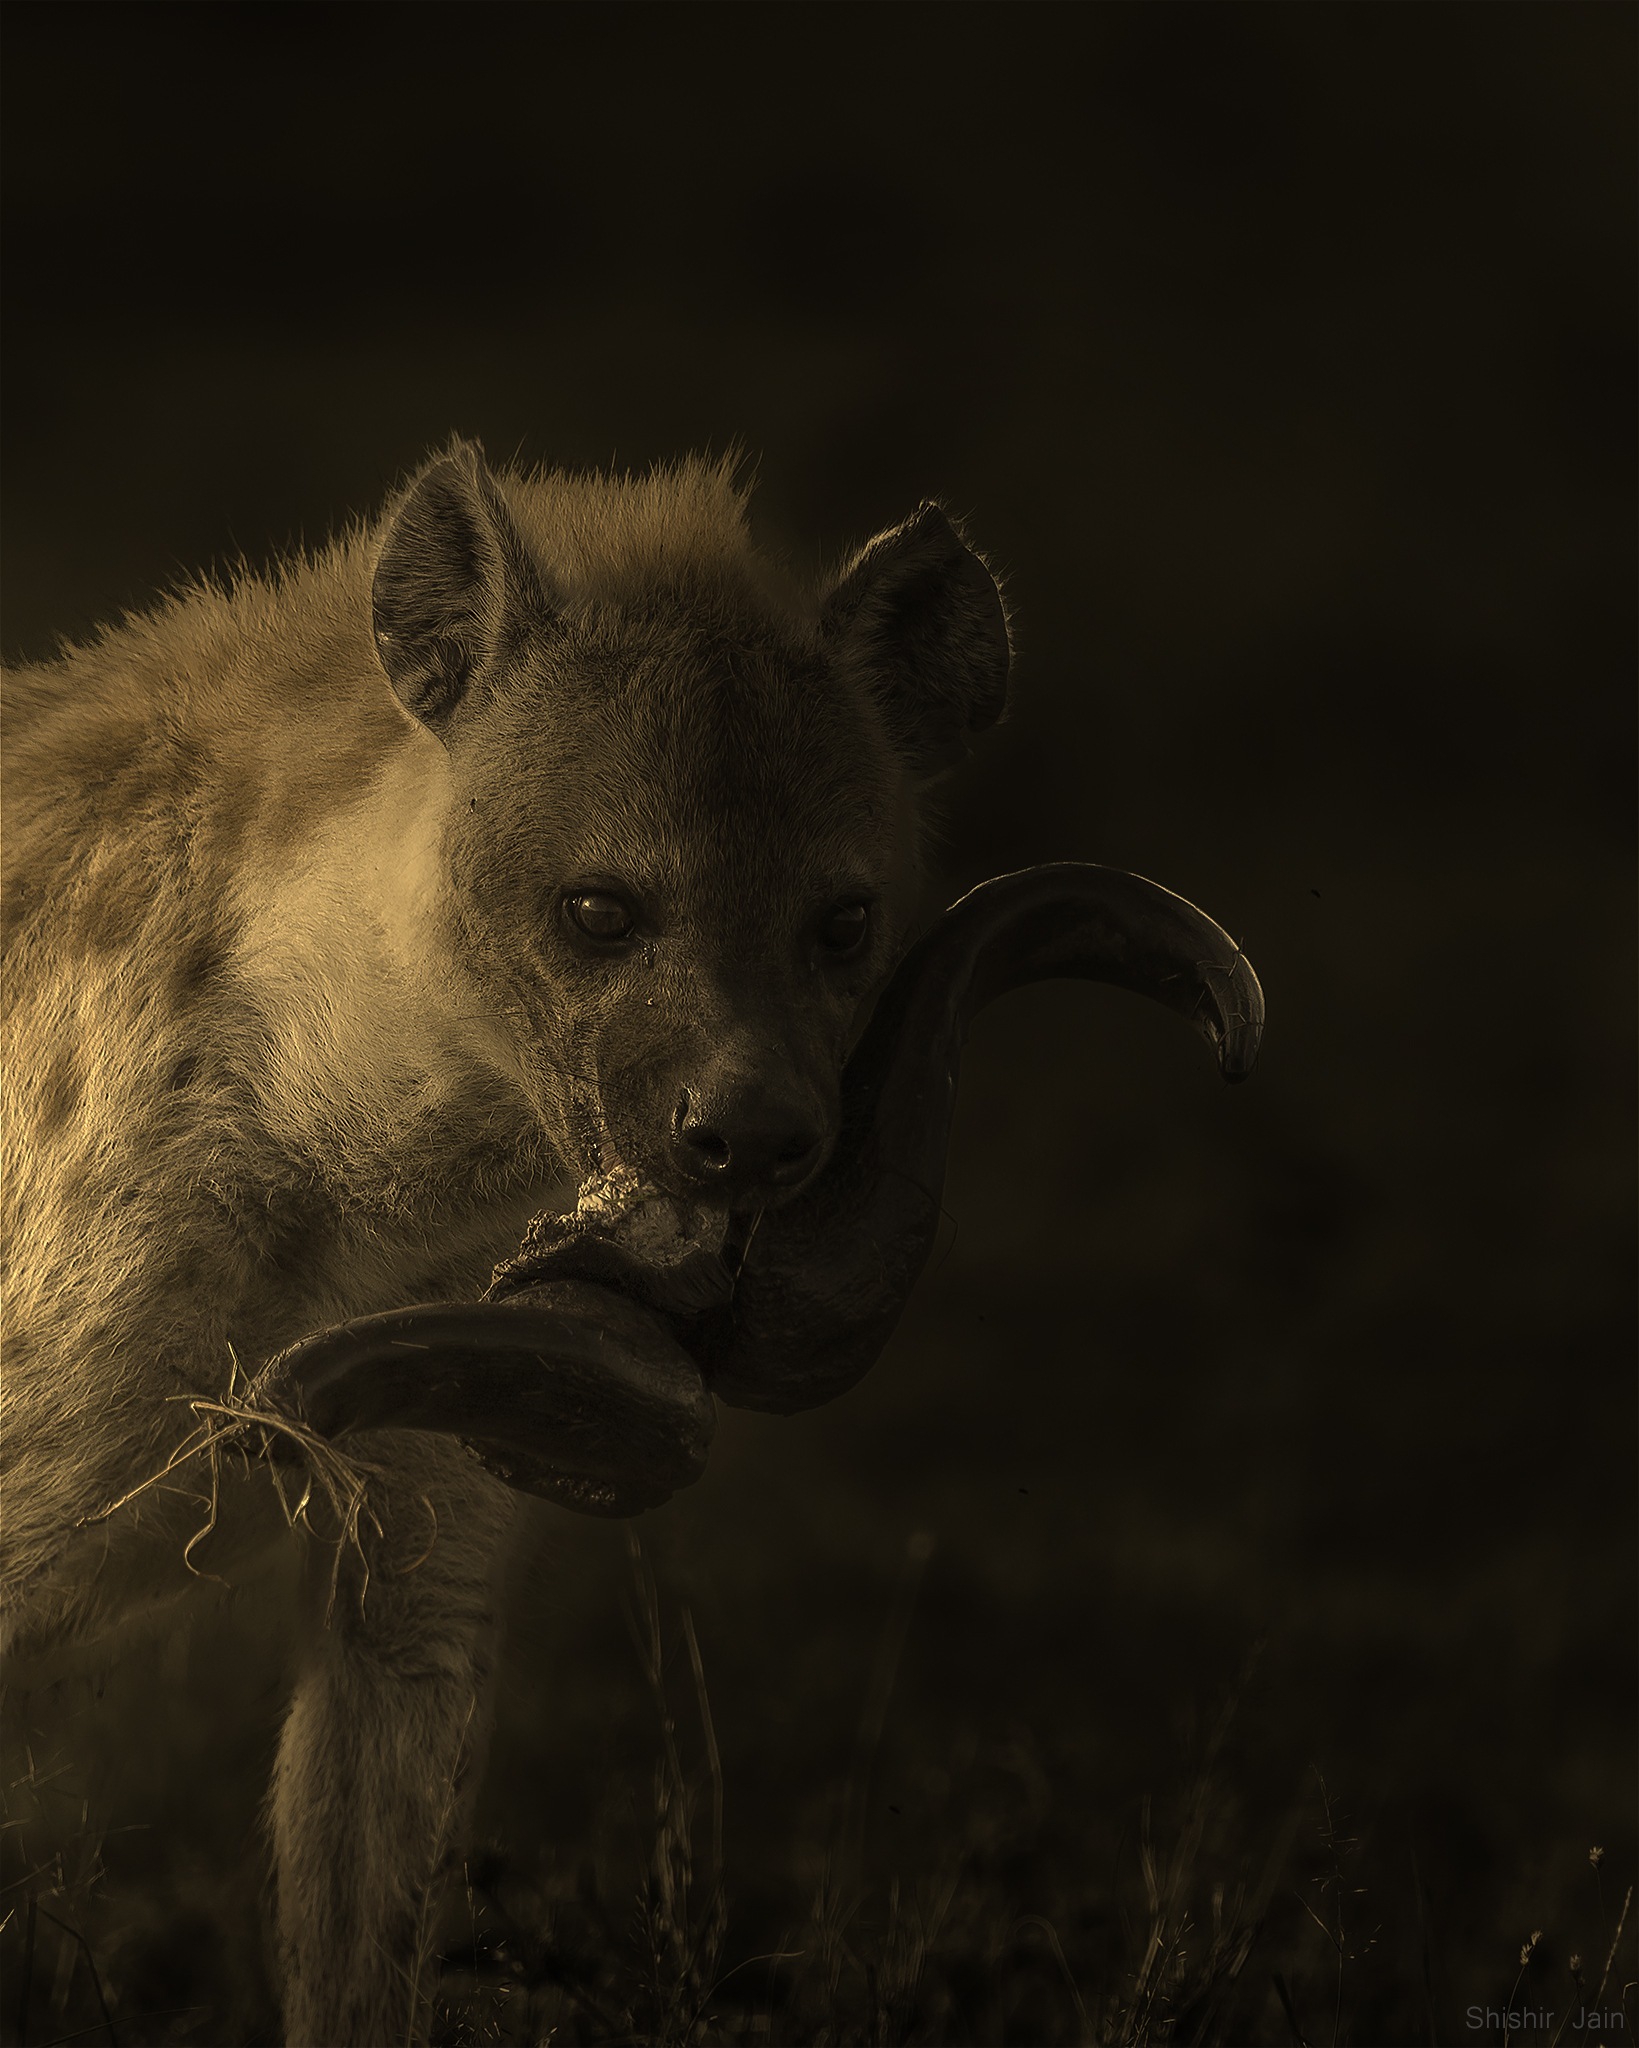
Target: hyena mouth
(677, 1255)
(781, 1310)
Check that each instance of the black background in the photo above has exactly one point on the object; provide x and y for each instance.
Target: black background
(1282, 358)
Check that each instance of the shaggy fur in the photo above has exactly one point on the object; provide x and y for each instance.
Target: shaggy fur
(299, 1026)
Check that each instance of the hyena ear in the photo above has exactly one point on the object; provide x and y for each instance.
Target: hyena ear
(454, 590)
(918, 617)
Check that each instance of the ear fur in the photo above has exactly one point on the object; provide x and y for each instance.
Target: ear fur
(454, 586)
(921, 618)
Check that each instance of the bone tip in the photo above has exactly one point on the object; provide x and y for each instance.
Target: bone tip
(1238, 1054)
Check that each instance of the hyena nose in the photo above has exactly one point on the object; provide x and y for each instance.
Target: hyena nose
(757, 1146)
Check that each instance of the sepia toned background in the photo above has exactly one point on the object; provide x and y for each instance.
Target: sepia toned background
(1283, 361)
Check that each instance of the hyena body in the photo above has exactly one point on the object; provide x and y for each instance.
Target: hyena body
(536, 830)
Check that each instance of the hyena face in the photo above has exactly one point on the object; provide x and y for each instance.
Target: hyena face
(687, 910)
(680, 841)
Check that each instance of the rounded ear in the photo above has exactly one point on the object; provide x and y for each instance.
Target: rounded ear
(919, 619)
(454, 586)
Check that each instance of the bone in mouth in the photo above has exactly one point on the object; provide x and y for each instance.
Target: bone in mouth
(583, 1374)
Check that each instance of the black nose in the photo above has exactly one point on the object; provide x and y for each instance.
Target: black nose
(753, 1145)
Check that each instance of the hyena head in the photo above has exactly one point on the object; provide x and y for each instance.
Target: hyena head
(679, 847)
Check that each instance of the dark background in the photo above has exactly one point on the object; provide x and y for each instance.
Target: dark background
(1283, 359)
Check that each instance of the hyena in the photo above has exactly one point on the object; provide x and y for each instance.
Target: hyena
(540, 831)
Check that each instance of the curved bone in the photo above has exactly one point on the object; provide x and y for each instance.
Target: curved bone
(576, 1376)
(826, 1278)
(571, 1392)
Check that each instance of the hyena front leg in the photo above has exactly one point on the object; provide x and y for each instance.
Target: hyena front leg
(382, 1752)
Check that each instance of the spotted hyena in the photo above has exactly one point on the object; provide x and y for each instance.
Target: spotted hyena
(538, 830)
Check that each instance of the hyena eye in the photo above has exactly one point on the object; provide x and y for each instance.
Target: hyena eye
(842, 929)
(598, 914)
